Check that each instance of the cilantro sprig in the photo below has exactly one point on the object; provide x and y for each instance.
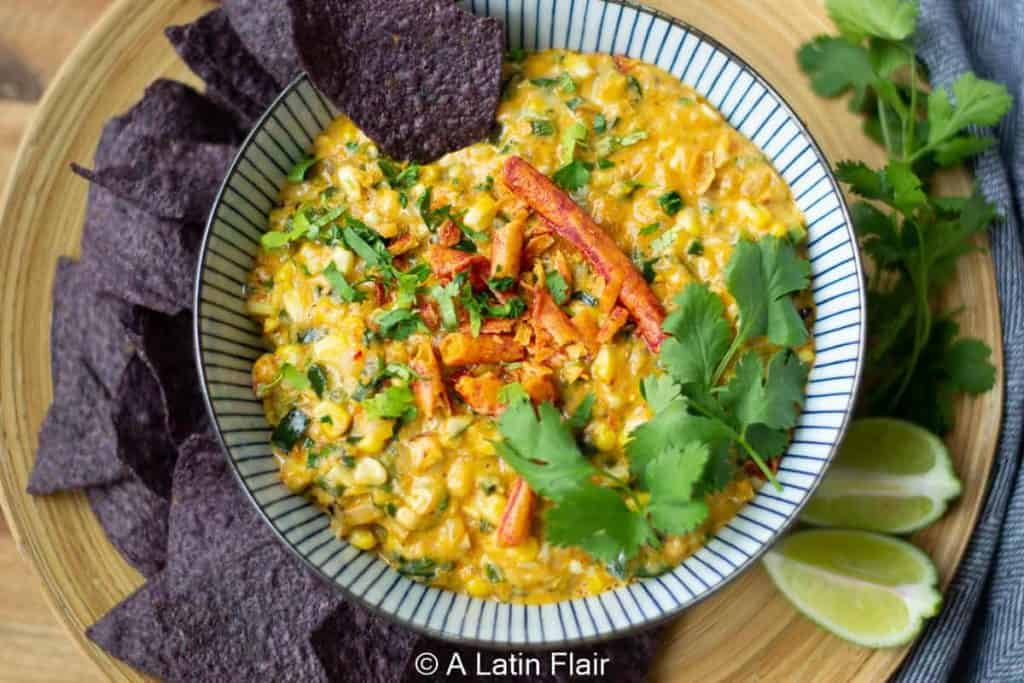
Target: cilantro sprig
(704, 426)
(917, 362)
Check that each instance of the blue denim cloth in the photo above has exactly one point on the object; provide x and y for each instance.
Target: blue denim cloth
(979, 635)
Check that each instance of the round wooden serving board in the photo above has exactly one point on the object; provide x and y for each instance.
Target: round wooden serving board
(745, 632)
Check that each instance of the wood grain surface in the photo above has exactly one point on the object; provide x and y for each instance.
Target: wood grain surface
(745, 632)
(34, 645)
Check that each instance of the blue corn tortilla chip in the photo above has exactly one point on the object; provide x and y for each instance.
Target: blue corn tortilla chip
(88, 329)
(265, 27)
(210, 516)
(144, 441)
(137, 256)
(164, 342)
(135, 521)
(244, 618)
(420, 77)
(77, 442)
(380, 653)
(174, 180)
(170, 110)
(234, 78)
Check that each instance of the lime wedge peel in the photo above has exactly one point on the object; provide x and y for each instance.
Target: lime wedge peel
(866, 588)
(889, 476)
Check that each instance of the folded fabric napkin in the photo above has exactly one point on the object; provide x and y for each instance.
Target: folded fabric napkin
(979, 635)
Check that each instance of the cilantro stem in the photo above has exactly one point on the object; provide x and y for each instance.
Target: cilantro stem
(908, 133)
(741, 439)
(759, 461)
(885, 126)
(727, 358)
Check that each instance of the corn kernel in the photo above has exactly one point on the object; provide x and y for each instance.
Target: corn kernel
(460, 478)
(478, 587)
(603, 367)
(362, 539)
(375, 436)
(425, 452)
(338, 422)
(525, 551)
(481, 213)
(344, 260)
(407, 518)
(370, 472)
(603, 436)
(296, 476)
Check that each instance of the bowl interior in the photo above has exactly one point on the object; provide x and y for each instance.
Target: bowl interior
(227, 342)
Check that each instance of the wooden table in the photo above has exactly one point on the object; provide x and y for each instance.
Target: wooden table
(36, 37)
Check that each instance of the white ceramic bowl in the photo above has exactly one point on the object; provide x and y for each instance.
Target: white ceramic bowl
(227, 342)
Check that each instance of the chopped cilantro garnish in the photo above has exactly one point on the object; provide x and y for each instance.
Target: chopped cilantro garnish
(298, 172)
(394, 402)
(572, 176)
(696, 248)
(341, 287)
(542, 127)
(501, 284)
(670, 202)
(650, 229)
(600, 124)
(557, 286)
(399, 323)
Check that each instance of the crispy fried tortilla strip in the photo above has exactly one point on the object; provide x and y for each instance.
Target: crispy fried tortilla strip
(447, 263)
(448, 234)
(507, 247)
(428, 390)
(461, 348)
(549, 317)
(612, 324)
(481, 393)
(514, 527)
(539, 383)
(575, 226)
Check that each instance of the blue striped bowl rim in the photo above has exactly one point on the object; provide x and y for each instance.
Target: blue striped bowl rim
(227, 341)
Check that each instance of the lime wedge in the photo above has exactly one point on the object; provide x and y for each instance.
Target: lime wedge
(870, 589)
(889, 475)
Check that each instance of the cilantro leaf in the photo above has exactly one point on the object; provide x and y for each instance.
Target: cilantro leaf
(446, 296)
(581, 416)
(572, 136)
(773, 400)
(700, 337)
(889, 19)
(399, 323)
(978, 103)
(969, 367)
(542, 449)
(762, 276)
(597, 520)
(341, 286)
(298, 172)
(557, 286)
(673, 424)
(659, 391)
(836, 65)
(672, 480)
(396, 401)
(572, 176)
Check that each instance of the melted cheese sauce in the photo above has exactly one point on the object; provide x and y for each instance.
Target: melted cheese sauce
(427, 493)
